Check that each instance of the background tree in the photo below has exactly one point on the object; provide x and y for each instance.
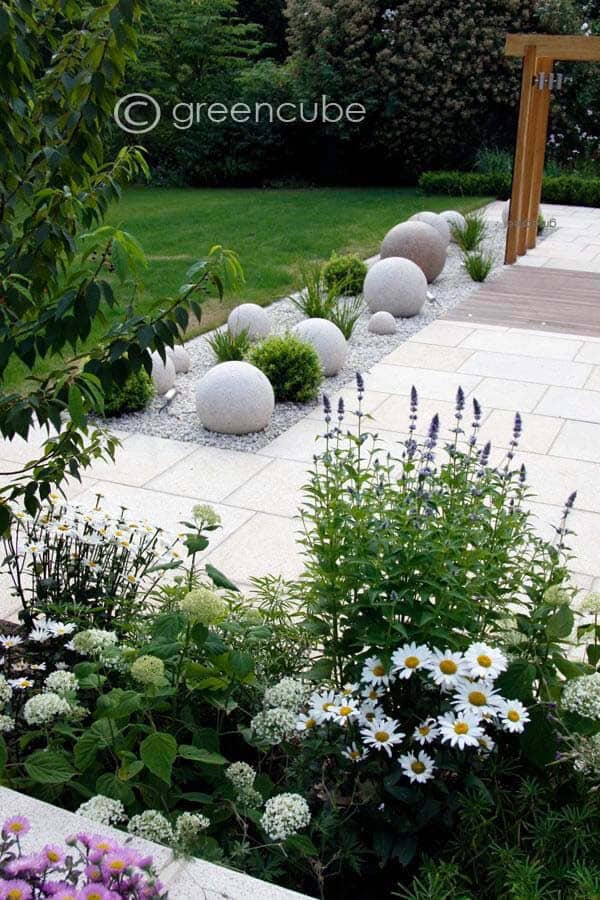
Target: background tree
(61, 64)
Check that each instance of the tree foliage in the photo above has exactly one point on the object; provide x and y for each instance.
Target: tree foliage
(61, 65)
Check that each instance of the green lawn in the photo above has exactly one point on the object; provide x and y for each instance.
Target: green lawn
(273, 232)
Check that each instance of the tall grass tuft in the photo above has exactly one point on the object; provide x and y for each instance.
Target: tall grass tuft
(470, 235)
(478, 265)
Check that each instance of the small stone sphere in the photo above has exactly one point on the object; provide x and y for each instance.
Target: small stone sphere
(382, 322)
(251, 318)
(420, 243)
(163, 373)
(181, 358)
(328, 341)
(436, 221)
(235, 398)
(454, 220)
(395, 285)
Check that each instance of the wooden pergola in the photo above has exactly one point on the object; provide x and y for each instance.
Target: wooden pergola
(539, 53)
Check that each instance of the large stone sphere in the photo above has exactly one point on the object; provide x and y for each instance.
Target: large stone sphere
(397, 286)
(235, 398)
(251, 318)
(454, 220)
(382, 322)
(181, 358)
(163, 373)
(436, 221)
(420, 243)
(328, 341)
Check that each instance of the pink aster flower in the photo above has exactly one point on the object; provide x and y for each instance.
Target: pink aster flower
(52, 854)
(95, 892)
(15, 890)
(16, 826)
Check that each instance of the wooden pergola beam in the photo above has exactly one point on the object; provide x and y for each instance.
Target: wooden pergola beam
(555, 46)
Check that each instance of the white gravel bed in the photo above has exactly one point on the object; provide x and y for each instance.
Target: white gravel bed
(179, 419)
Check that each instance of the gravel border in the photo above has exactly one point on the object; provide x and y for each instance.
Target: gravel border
(179, 420)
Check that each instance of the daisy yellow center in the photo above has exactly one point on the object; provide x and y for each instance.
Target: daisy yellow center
(411, 662)
(354, 754)
(382, 736)
(424, 730)
(310, 723)
(484, 660)
(378, 671)
(461, 728)
(477, 698)
(483, 743)
(448, 667)
(345, 710)
(373, 695)
(417, 767)
(369, 716)
(513, 715)
(327, 706)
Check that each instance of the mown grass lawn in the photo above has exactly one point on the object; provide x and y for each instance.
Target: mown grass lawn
(273, 231)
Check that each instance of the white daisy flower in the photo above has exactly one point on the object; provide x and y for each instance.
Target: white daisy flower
(382, 735)
(408, 658)
(91, 564)
(477, 698)
(60, 629)
(38, 667)
(131, 579)
(426, 732)
(345, 711)
(462, 730)
(34, 548)
(322, 706)
(486, 744)
(8, 641)
(513, 716)
(374, 672)
(39, 634)
(417, 768)
(306, 723)
(369, 711)
(354, 754)
(484, 661)
(21, 684)
(447, 669)
(349, 689)
(372, 692)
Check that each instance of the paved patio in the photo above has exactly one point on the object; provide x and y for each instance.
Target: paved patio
(553, 379)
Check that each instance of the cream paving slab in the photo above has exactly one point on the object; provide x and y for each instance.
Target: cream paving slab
(165, 510)
(141, 458)
(554, 478)
(583, 544)
(536, 370)
(571, 403)
(264, 545)
(393, 415)
(593, 382)
(524, 344)
(504, 393)
(428, 356)
(538, 435)
(589, 353)
(578, 440)
(431, 384)
(305, 439)
(371, 400)
(276, 489)
(447, 334)
(209, 473)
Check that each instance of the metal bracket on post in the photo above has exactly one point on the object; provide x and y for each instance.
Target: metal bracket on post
(553, 82)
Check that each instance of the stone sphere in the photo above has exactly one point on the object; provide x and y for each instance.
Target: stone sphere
(397, 286)
(382, 322)
(420, 243)
(328, 341)
(454, 220)
(235, 398)
(436, 221)
(181, 358)
(163, 373)
(251, 318)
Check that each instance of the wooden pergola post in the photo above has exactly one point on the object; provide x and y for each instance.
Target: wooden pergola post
(539, 52)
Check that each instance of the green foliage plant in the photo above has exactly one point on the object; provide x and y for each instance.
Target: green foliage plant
(331, 299)
(347, 273)
(557, 187)
(134, 395)
(471, 235)
(345, 313)
(227, 346)
(55, 255)
(291, 365)
(478, 264)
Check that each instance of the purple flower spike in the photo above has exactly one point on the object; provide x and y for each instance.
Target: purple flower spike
(360, 383)
(460, 399)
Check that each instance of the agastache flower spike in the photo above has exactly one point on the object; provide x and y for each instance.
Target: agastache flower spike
(341, 409)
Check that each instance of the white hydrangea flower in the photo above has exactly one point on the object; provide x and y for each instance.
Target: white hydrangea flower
(274, 725)
(6, 690)
(93, 642)
(187, 828)
(43, 708)
(284, 816)
(6, 724)
(289, 693)
(591, 604)
(103, 809)
(241, 775)
(152, 826)
(61, 683)
(582, 696)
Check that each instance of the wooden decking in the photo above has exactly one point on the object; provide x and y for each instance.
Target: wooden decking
(536, 298)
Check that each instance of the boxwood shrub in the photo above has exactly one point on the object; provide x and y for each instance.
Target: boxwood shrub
(568, 189)
(134, 394)
(292, 367)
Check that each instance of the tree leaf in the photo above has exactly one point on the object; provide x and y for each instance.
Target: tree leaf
(46, 767)
(560, 624)
(158, 752)
(199, 754)
(219, 579)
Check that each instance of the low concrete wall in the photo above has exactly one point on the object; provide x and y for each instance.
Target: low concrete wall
(184, 879)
